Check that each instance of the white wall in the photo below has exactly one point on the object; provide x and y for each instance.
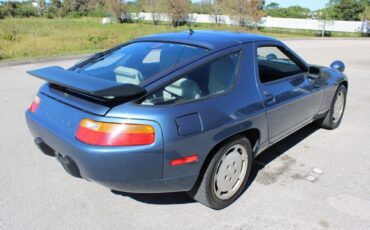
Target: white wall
(311, 24)
(290, 23)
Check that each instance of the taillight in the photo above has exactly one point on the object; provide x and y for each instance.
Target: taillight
(114, 134)
(35, 103)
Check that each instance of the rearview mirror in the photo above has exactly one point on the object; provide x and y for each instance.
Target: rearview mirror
(338, 65)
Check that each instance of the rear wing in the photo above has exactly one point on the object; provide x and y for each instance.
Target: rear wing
(86, 84)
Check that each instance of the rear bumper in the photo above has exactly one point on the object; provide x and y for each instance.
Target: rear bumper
(136, 169)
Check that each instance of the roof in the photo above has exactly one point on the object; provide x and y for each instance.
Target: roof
(214, 40)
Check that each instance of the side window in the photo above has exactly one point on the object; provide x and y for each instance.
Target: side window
(212, 78)
(274, 64)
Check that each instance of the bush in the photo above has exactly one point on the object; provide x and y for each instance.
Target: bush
(289, 12)
(25, 10)
(3, 55)
(51, 12)
(17, 9)
(100, 12)
(95, 39)
(8, 9)
(2, 16)
(73, 14)
(326, 33)
(9, 36)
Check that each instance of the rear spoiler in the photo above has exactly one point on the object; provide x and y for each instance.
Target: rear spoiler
(86, 84)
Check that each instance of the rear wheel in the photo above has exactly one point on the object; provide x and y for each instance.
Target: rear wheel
(226, 174)
(334, 116)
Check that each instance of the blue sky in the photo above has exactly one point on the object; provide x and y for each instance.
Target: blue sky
(311, 4)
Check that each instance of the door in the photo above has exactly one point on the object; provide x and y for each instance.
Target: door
(286, 89)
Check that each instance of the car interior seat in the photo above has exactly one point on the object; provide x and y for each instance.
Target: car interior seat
(190, 89)
(128, 75)
(185, 88)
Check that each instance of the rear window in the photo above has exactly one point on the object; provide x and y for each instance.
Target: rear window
(137, 62)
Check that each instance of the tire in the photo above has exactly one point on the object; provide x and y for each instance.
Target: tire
(332, 120)
(230, 165)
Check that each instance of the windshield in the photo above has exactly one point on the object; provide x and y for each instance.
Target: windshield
(139, 61)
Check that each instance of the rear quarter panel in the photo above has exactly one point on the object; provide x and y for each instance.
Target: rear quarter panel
(221, 116)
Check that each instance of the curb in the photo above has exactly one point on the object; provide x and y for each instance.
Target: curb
(327, 39)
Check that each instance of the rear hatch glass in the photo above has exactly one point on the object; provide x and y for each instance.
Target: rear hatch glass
(128, 65)
(138, 61)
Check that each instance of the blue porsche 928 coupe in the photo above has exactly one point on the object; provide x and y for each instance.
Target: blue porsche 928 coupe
(185, 111)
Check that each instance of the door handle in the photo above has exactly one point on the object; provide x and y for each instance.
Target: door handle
(270, 98)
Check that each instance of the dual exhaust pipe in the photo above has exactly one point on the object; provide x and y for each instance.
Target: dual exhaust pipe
(67, 162)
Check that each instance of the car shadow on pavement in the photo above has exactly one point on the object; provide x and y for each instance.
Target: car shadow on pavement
(260, 162)
(158, 198)
(276, 150)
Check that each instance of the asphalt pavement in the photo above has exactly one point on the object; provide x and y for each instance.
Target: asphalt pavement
(314, 179)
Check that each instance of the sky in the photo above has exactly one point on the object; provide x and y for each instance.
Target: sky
(311, 4)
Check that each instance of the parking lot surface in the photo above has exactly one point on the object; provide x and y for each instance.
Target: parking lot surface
(314, 179)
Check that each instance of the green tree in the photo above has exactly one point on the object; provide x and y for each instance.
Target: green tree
(25, 9)
(348, 10)
(133, 7)
(17, 9)
(365, 15)
(272, 6)
(288, 12)
(56, 3)
(54, 9)
(325, 17)
(79, 7)
(9, 9)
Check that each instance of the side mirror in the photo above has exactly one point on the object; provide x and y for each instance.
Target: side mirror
(338, 65)
(315, 70)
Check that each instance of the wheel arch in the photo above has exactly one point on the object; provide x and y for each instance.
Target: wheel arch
(253, 136)
(345, 83)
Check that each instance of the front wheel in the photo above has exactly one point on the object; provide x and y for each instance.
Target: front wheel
(226, 175)
(334, 116)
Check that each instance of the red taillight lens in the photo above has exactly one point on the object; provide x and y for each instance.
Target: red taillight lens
(35, 103)
(114, 134)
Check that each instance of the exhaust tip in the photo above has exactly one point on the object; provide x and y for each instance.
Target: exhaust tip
(46, 149)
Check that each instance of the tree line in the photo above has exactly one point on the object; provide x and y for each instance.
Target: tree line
(346, 10)
(246, 12)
